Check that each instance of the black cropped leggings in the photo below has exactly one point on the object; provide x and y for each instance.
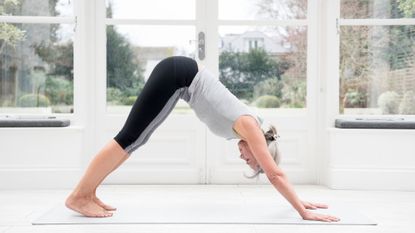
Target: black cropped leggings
(157, 99)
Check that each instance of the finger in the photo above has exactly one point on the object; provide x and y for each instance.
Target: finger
(321, 217)
(325, 219)
(313, 207)
(332, 218)
(319, 205)
(307, 206)
(335, 219)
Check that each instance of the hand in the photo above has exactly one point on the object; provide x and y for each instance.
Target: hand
(313, 206)
(308, 215)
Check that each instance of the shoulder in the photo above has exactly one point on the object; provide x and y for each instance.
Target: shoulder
(246, 120)
(247, 127)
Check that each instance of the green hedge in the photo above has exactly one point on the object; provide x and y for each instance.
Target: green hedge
(267, 101)
(33, 100)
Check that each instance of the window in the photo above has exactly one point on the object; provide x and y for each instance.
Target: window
(261, 60)
(377, 57)
(138, 41)
(36, 56)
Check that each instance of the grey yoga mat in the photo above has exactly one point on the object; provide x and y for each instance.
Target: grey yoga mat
(214, 212)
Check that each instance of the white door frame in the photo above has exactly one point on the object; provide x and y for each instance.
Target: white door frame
(299, 136)
(205, 162)
(154, 162)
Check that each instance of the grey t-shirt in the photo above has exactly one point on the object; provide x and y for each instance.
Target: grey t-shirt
(215, 105)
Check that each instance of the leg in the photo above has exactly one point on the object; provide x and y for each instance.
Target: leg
(149, 103)
(96, 199)
(153, 105)
(82, 198)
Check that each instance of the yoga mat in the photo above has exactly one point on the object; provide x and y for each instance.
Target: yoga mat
(214, 212)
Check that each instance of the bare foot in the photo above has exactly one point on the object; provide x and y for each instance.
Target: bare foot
(100, 203)
(86, 206)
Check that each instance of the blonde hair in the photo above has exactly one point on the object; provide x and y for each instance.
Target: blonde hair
(271, 137)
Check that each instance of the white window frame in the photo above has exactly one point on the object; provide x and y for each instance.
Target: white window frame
(298, 124)
(78, 63)
(333, 36)
(295, 121)
(211, 46)
(101, 24)
(291, 116)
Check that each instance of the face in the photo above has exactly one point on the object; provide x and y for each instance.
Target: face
(247, 155)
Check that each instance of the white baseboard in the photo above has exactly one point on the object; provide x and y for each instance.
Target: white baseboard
(39, 178)
(372, 179)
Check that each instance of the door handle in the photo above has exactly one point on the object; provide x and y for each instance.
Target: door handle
(201, 45)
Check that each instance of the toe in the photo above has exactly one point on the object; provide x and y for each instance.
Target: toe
(107, 214)
(107, 207)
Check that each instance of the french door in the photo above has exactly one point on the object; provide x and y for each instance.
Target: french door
(263, 51)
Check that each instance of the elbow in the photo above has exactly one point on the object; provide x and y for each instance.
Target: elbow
(276, 177)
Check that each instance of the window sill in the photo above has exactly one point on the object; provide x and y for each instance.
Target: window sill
(400, 123)
(333, 130)
(70, 128)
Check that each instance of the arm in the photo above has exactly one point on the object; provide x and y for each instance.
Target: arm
(274, 174)
(256, 142)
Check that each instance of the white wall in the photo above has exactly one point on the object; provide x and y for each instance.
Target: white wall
(41, 157)
(382, 159)
(56, 157)
(345, 158)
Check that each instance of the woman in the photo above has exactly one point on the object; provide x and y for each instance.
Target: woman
(181, 77)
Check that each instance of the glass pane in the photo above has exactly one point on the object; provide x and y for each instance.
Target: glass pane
(262, 9)
(154, 9)
(36, 8)
(377, 70)
(381, 9)
(264, 66)
(36, 68)
(133, 52)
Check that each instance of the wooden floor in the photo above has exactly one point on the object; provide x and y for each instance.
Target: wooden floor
(394, 211)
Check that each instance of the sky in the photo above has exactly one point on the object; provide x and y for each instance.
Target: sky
(179, 36)
(178, 9)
